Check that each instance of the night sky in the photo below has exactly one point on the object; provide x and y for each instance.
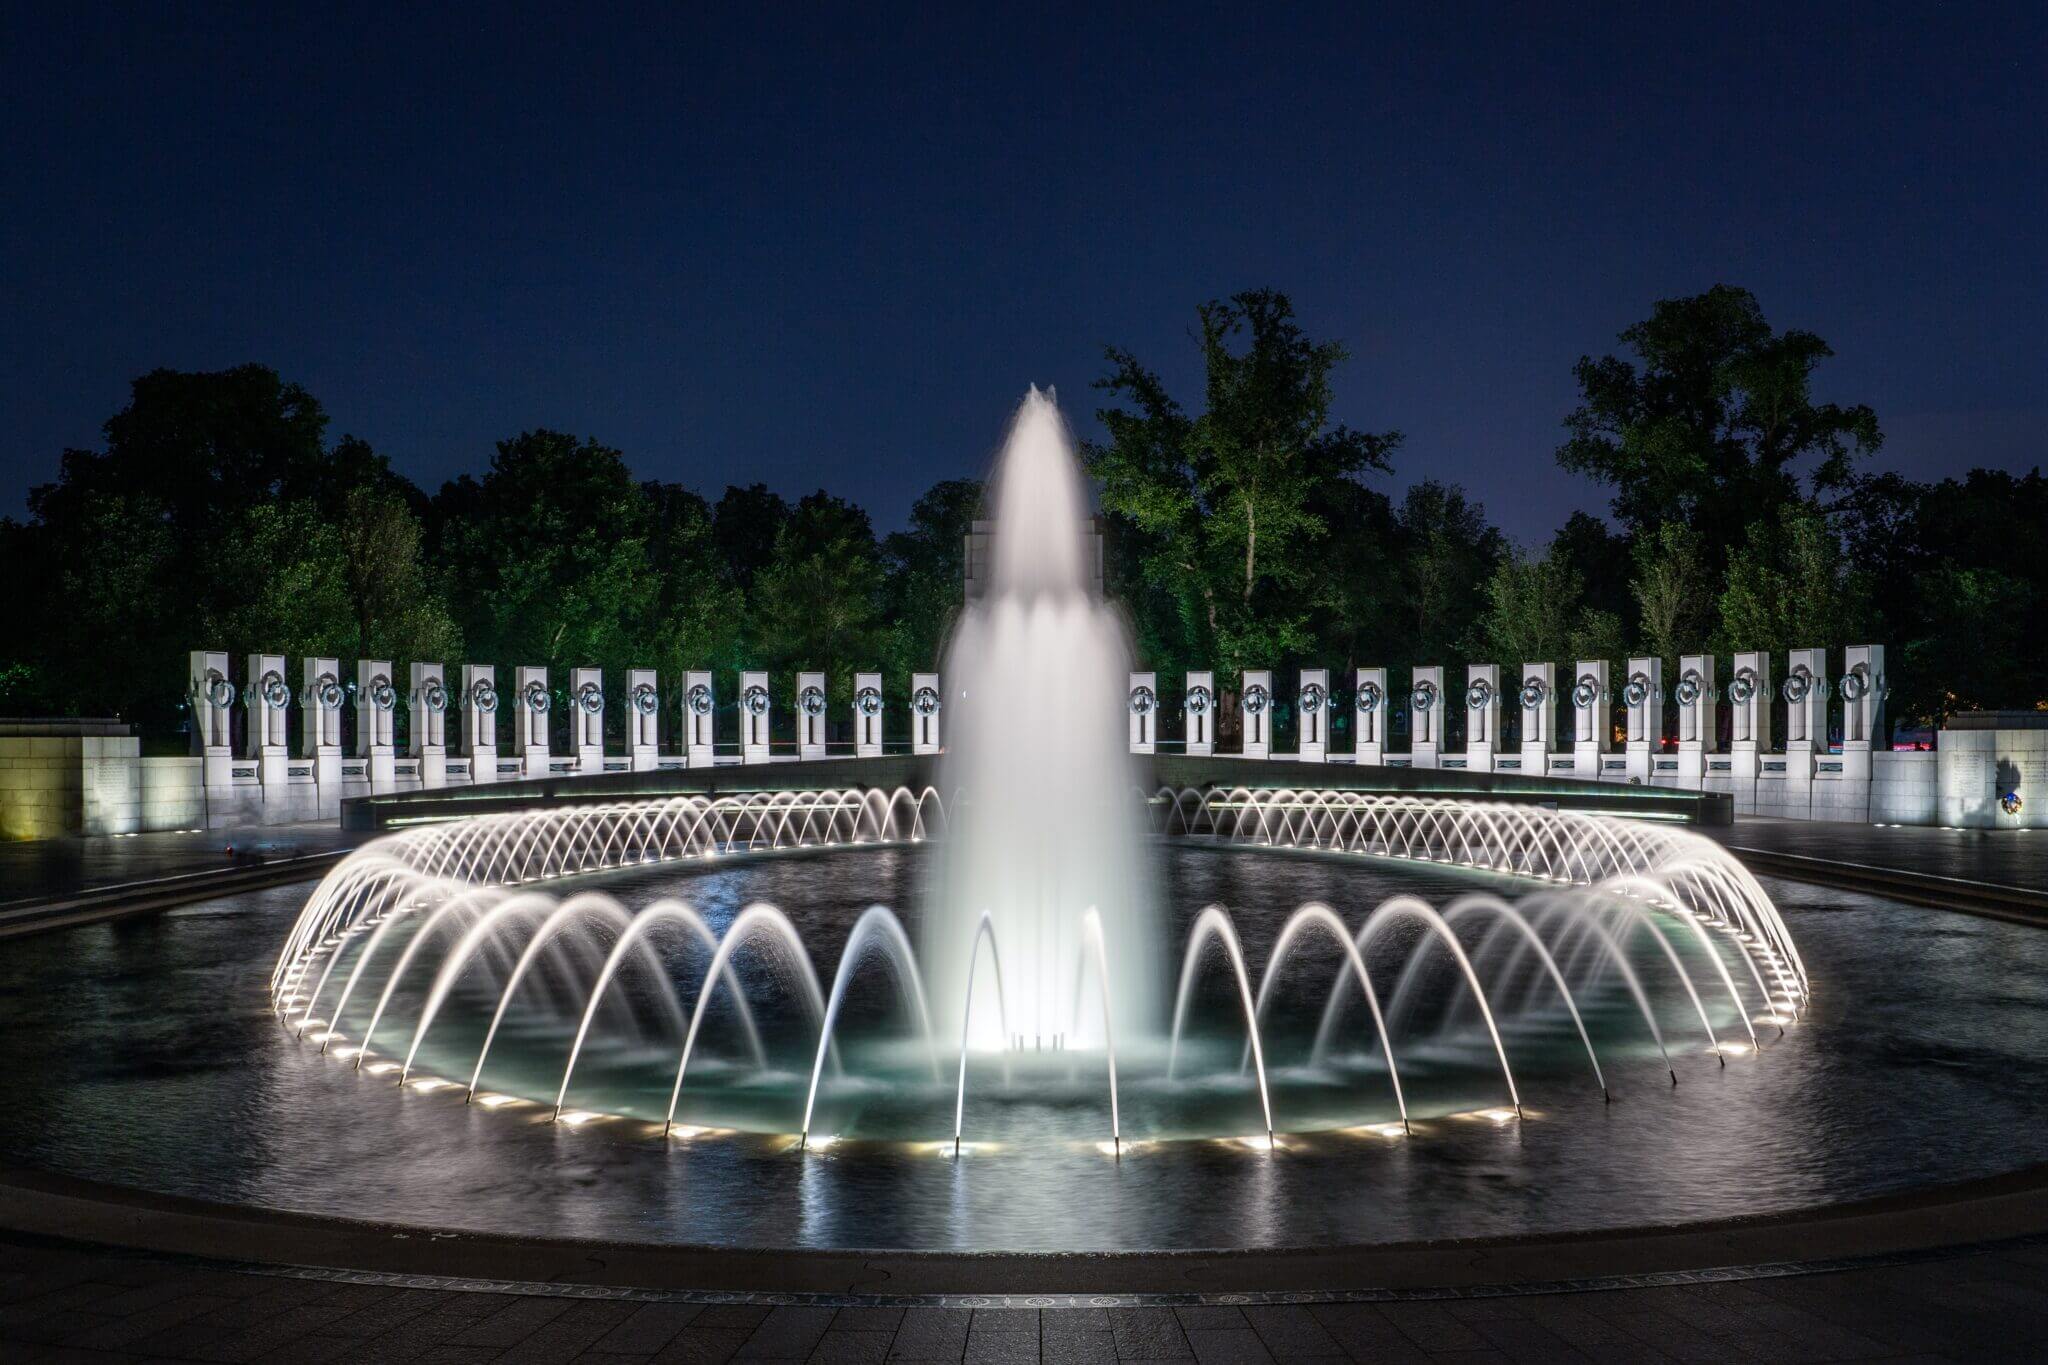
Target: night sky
(833, 252)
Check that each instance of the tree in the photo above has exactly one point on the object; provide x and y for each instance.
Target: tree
(397, 612)
(925, 572)
(1448, 553)
(1536, 613)
(746, 524)
(697, 615)
(817, 604)
(1219, 509)
(1791, 587)
(548, 555)
(1673, 591)
(1712, 423)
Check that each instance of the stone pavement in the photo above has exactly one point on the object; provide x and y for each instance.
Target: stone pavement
(65, 1303)
(46, 869)
(2003, 857)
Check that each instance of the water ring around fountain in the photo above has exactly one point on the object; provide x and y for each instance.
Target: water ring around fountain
(463, 955)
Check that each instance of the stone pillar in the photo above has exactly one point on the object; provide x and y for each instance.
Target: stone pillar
(867, 715)
(700, 718)
(1199, 708)
(810, 715)
(480, 721)
(1749, 728)
(1643, 695)
(530, 720)
(1369, 744)
(1143, 708)
(428, 739)
(1863, 688)
(1538, 700)
(268, 702)
(1695, 694)
(925, 704)
(1591, 738)
(643, 719)
(586, 718)
(1312, 715)
(320, 703)
(1426, 717)
(212, 697)
(1482, 716)
(377, 723)
(755, 703)
(1255, 710)
(1805, 690)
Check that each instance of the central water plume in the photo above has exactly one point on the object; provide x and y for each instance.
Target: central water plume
(1046, 828)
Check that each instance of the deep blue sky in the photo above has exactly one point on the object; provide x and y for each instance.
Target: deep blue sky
(834, 251)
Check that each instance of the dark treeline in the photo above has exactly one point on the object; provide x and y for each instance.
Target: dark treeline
(1246, 530)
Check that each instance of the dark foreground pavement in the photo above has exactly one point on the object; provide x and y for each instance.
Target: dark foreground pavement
(61, 1303)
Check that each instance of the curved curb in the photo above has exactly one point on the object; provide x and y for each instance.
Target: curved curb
(1945, 1219)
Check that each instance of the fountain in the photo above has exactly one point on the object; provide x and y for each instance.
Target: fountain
(510, 959)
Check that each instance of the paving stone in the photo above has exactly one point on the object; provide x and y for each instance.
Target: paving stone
(519, 1319)
(647, 1329)
(1001, 1348)
(852, 1348)
(788, 1333)
(1148, 1334)
(1006, 1320)
(867, 1320)
(1291, 1331)
(1228, 1346)
(1068, 1346)
(701, 1345)
(931, 1334)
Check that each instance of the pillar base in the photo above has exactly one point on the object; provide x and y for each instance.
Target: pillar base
(483, 764)
(1424, 755)
(646, 758)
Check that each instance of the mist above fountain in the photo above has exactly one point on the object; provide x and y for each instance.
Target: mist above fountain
(1044, 830)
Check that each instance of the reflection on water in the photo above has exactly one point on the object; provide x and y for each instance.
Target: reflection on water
(146, 1053)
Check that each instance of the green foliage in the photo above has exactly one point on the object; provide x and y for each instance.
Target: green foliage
(1219, 512)
(818, 601)
(1712, 423)
(1792, 587)
(1673, 590)
(1536, 611)
(1448, 554)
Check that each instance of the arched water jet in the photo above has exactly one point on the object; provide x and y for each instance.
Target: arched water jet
(1319, 916)
(1213, 922)
(881, 924)
(984, 933)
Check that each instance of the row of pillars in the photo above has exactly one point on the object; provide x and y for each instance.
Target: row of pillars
(1586, 698)
(267, 697)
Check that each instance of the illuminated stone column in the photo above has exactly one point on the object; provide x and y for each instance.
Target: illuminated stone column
(377, 723)
(867, 715)
(1143, 706)
(268, 702)
(211, 695)
(586, 718)
(530, 720)
(1863, 689)
(1591, 736)
(1695, 694)
(1749, 724)
(925, 704)
(1255, 710)
(1199, 706)
(1369, 741)
(810, 715)
(1805, 690)
(1643, 695)
(1482, 716)
(427, 737)
(755, 704)
(1312, 715)
(480, 721)
(320, 702)
(1426, 717)
(643, 719)
(700, 717)
(1538, 700)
